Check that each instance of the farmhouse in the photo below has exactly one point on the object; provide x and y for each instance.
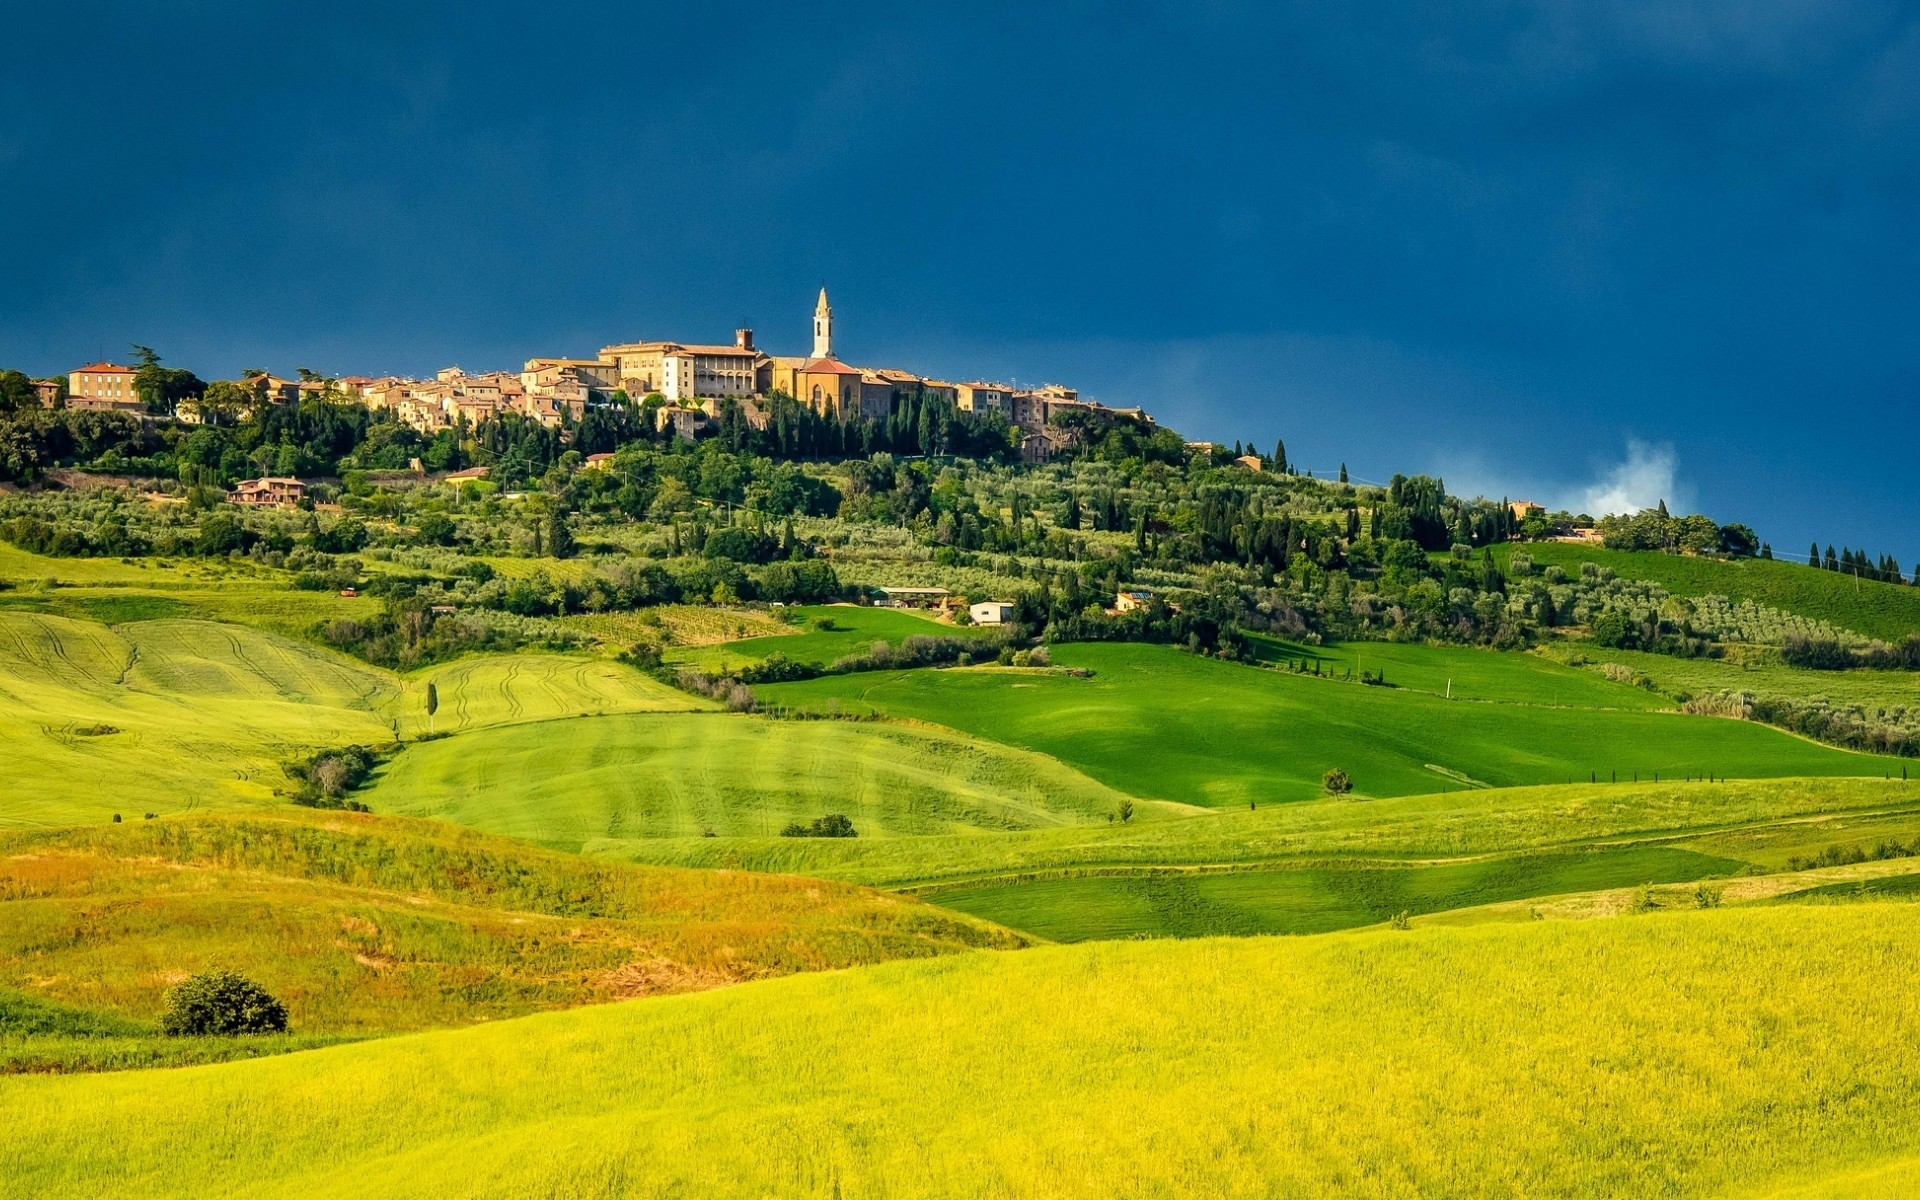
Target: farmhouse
(991, 612)
(1128, 601)
(469, 473)
(267, 491)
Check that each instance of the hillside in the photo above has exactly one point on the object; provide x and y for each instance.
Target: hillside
(1165, 725)
(668, 775)
(1734, 1053)
(1886, 611)
(367, 925)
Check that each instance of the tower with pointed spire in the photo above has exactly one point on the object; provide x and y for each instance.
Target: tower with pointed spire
(823, 327)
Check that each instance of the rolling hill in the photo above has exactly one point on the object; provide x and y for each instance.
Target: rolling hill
(366, 925)
(1739, 1053)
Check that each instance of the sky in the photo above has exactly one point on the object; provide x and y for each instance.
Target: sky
(1593, 254)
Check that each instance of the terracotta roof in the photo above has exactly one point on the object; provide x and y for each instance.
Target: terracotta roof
(827, 366)
(104, 369)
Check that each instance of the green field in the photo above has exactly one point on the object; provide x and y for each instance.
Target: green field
(1740, 1053)
(1462, 672)
(855, 630)
(1306, 899)
(171, 716)
(1162, 724)
(568, 783)
(365, 925)
(1696, 676)
(1886, 611)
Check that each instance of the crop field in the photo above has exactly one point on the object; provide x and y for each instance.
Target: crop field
(666, 775)
(674, 625)
(1880, 610)
(1162, 724)
(495, 689)
(369, 925)
(855, 629)
(1739, 1053)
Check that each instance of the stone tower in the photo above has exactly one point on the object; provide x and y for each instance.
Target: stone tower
(823, 327)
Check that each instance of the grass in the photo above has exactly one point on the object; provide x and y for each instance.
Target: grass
(1886, 611)
(197, 714)
(1462, 672)
(1308, 899)
(1733, 1053)
(367, 925)
(1694, 676)
(855, 630)
(568, 783)
(1163, 724)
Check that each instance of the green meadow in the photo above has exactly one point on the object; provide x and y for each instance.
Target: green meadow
(854, 630)
(1162, 724)
(668, 775)
(1746, 1053)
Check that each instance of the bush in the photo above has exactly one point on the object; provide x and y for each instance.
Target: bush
(833, 825)
(1337, 782)
(223, 1004)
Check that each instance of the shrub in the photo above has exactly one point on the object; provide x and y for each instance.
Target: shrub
(1337, 782)
(221, 1003)
(833, 825)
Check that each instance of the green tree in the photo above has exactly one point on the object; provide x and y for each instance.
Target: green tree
(1337, 782)
(559, 536)
(221, 1003)
(1280, 458)
(433, 704)
(17, 392)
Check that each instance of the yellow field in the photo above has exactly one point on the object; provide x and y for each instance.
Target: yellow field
(1729, 1054)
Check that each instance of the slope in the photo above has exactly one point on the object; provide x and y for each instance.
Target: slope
(1732, 1053)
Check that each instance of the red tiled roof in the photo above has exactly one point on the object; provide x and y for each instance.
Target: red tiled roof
(827, 366)
(104, 369)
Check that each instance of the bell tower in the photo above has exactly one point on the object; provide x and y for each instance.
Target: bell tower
(823, 327)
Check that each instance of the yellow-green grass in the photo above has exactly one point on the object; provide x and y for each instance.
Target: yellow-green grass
(675, 625)
(1462, 672)
(1735, 1054)
(495, 689)
(855, 631)
(568, 783)
(1159, 723)
(1882, 610)
(368, 924)
(1760, 821)
(113, 591)
(169, 716)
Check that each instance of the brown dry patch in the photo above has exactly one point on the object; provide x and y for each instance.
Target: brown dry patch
(374, 961)
(663, 977)
(359, 925)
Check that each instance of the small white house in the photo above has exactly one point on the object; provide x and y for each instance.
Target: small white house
(991, 612)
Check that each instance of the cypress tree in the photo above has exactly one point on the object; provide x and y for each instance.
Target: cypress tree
(1280, 458)
(1813, 555)
(1343, 472)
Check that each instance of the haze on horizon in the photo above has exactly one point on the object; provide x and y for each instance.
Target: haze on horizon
(1620, 252)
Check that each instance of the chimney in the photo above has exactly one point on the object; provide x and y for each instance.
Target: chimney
(743, 339)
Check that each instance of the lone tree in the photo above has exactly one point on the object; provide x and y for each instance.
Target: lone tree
(1337, 782)
(433, 704)
(221, 1003)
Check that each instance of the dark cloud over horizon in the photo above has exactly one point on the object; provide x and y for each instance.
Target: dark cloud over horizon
(1503, 240)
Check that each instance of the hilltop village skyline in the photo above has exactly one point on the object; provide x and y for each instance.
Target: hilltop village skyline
(684, 385)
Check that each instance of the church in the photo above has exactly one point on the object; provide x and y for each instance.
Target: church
(822, 382)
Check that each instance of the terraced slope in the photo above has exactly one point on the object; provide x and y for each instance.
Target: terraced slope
(1740, 1053)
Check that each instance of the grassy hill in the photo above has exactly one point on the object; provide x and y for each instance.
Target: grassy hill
(566, 783)
(1738, 1053)
(1162, 724)
(202, 714)
(1886, 611)
(367, 925)
(853, 630)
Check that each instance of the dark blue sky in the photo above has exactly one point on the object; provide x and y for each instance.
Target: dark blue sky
(1564, 250)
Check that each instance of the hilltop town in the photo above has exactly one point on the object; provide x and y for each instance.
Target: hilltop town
(686, 387)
